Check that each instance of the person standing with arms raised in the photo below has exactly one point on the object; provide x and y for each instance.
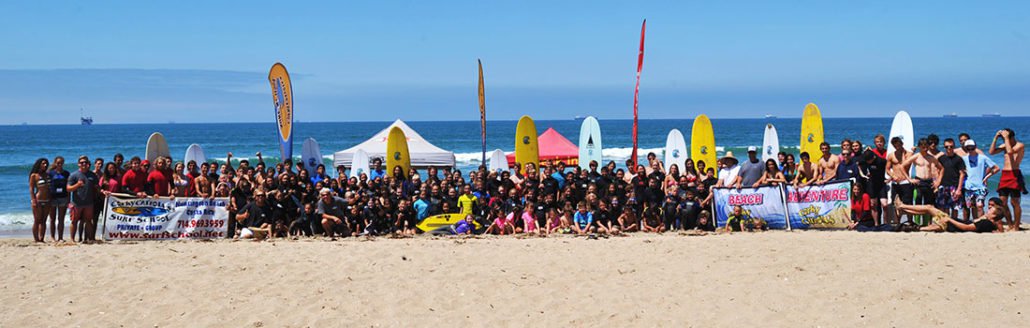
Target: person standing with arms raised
(1012, 183)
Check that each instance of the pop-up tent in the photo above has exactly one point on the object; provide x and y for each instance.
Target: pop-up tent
(422, 153)
(553, 148)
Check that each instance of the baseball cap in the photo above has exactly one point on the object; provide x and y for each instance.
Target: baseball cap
(969, 143)
(752, 149)
(144, 162)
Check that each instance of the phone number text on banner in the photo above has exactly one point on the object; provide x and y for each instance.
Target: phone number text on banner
(161, 219)
(763, 202)
(825, 206)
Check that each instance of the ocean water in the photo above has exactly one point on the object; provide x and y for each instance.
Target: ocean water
(20, 146)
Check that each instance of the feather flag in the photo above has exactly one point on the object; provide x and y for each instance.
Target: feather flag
(282, 98)
(482, 109)
(636, 91)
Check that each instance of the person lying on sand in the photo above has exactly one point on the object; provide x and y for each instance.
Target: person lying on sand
(989, 222)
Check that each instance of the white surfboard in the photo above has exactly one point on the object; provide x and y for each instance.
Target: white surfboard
(193, 153)
(498, 161)
(359, 164)
(157, 146)
(675, 150)
(311, 156)
(901, 127)
(770, 144)
(589, 143)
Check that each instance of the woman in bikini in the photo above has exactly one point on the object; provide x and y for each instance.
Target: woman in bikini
(772, 174)
(39, 193)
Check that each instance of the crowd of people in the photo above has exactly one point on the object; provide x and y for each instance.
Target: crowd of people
(283, 200)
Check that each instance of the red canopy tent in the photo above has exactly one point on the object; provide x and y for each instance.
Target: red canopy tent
(553, 148)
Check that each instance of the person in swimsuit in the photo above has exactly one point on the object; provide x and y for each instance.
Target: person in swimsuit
(1012, 183)
(826, 171)
(39, 193)
(898, 165)
(772, 174)
(180, 181)
(928, 174)
(806, 172)
(672, 179)
(790, 168)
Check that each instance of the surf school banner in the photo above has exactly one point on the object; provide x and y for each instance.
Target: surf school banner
(763, 202)
(164, 219)
(282, 98)
(825, 206)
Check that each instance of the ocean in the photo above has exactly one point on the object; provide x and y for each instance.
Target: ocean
(21, 145)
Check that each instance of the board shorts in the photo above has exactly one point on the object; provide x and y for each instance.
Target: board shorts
(904, 190)
(876, 190)
(1011, 184)
(945, 201)
(975, 198)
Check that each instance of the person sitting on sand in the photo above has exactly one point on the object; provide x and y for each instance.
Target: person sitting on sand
(704, 222)
(989, 222)
(628, 221)
(737, 220)
(499, 224)
(651, 220)
(583, 220)
(529, 224)
(333, 211)
(256, 217)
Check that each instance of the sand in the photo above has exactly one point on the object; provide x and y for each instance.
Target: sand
(829, 279)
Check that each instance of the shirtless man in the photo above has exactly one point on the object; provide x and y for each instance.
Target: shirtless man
(1012, 184)
(898, 167)
(806, 171)
(827, 169)
(202, 185)
(928, 173)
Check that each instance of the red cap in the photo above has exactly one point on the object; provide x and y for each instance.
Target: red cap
(145, 162)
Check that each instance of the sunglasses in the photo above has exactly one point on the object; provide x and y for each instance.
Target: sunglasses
(83, 163)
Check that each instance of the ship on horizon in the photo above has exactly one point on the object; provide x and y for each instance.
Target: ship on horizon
(85, 120)
(952, 115)
(992, 115)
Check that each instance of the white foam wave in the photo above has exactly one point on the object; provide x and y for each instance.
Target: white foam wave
(14, 221)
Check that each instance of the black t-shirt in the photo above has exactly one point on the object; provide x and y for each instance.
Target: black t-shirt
(952, 166)
(550, 186)
(603, 217)
(985, 226)
(257, 214)
(688, 212)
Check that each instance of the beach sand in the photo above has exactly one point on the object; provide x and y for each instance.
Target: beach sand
(830, 279)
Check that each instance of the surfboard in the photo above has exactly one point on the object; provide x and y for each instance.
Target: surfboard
(770, 144)
(442, 221)
(702, 143)
(360, 164)
(157, 146)
(311, 155)
(902, 128)
(282, 98)
(526, 149)
(498, 161)
(397, 152)
(589, 143)
(193, 153)
(675, 150)
(811, 131)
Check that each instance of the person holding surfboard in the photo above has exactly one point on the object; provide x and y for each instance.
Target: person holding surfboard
(1012, 183)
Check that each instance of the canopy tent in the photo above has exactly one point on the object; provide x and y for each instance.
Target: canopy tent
(553, 148)
(422, 153)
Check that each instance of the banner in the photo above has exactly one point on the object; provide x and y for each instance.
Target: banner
(163, 218)
(763, 202)
(825, 206)
(282, 98)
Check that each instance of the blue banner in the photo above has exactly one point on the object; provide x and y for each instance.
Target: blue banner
(763, 202)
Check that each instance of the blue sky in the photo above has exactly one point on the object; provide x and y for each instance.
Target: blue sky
(186, 61)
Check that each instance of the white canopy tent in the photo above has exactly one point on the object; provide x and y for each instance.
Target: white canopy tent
(422, 153)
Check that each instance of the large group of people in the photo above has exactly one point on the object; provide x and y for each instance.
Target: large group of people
(283, 200)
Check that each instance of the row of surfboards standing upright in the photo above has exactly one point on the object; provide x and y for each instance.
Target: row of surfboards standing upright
(702, 147)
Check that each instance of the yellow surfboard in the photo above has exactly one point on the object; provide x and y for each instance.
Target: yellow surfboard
(397, 152)
(526, 149)
(811, 131)
(702, 143)
(443, 220)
